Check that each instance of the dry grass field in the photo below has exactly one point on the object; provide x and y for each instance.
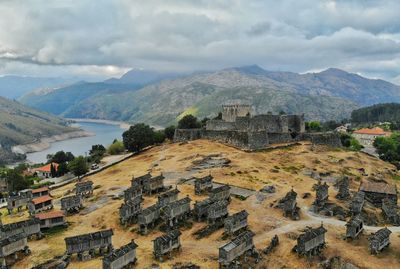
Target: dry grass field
(283, 168)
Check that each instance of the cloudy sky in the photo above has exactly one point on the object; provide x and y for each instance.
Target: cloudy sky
(104, 38)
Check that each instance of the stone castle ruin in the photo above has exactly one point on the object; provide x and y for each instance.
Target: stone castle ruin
(237, 127)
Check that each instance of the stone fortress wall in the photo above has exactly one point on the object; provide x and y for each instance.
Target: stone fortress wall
(238, 128)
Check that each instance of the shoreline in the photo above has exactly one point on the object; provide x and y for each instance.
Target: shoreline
(123, 125)
(45, 142)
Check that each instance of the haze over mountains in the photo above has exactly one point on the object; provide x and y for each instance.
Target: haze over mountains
(160, 99)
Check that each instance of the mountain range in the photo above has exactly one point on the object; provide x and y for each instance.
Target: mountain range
(161, 99)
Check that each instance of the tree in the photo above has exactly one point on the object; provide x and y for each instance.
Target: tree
(97, 150)
(138, 137)
(159, 137)
(16, 181)
(189, 122)
(62, 169)
(78, 166)
(169, 132)
(313, 126)
(204, 122)
(53, 171)
(116, 148)
(60, 157)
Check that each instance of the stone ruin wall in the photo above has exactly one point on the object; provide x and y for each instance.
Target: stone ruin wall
(330, 139)
(269, 123)
(231, 112)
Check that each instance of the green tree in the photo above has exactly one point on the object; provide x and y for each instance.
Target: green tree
(138, 137)
(116, 148)
(53, 171)
(169, 132)
(78, 166)
(97, 150)
(159, 137)
(60, 157)
(189, 122)
(62, 169)
(313, 126)
(16, 181)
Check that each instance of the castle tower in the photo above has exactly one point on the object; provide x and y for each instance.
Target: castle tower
(231, 112)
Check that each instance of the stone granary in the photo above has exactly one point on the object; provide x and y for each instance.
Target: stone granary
(200, 209)
(354, 227)
(375, 192)
(43, 191)
(11, 246)
(128, 212)
(71, 204)
(311, 242)
(148, 217)
(166, 244)
(222, 192)
(217, 211)
(84, 188)
(357, 203)
(150, 185)
(343, 186)
(289, 205)
(176, 211)
(124, 257)
(232, 251)
(51, 219)
(29, 227)
(236, 222)
(255, 132)
(101, 240)
(379, 240)
(203, 184)
(389, 209)
(58, 262)
(40, 204)
(133, 193)
(167, 197)
(321, 194)
(18, 200)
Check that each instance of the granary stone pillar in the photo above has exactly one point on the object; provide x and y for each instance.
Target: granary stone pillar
(3, 262)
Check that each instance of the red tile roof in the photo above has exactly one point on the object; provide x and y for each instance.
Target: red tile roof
(42, 189)
(41, 199)
(49, 215)
(46, 168)
(373, 131)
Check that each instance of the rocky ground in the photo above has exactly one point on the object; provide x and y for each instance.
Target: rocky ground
(283, 168)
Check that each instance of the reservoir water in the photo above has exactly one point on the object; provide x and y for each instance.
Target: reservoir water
(104, 134)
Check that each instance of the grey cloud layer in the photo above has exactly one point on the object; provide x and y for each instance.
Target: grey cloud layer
(106, 37)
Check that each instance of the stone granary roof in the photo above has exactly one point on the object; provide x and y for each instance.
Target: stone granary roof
(19, 224)
(150, 209)
(220, 188)
(88, 237)
(311, 233)
(380, 234)
(240, 215)
(11, 239)
(121, 251)
(179, 202)
(169, 236)
(203, 179)
(84, 183)
(169, 193)
(355, 221)
(379, 187)
(238, 240)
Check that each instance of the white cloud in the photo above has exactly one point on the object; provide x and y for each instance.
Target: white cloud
(103, 38)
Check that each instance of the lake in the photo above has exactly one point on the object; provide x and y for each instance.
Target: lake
(104, 134)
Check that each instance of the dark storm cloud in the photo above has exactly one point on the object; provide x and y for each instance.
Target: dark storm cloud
(108, 37)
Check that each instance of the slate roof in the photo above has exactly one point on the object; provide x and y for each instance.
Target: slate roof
(237, 241)
(239, 215)
(84, 183)
(11, 239)
(378, 187)
(114, 255)
(17, 225)
(381, 234)
(220, 189)
(150, 209)
(355, 221)
(169, 193)
(203, 179)
(311, 233)
(182, 201)
(169, 236)
(89, 236)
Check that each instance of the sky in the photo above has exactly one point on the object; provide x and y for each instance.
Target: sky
(105, 38)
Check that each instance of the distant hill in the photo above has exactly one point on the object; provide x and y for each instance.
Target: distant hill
(13, 87)
(331, 94)
(22, 125)
(389, 112)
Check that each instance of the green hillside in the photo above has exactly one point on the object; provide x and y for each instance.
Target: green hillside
(389, 112)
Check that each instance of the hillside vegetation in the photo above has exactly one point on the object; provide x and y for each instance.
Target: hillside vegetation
(21, 125)
(328, 95)
(389, 112)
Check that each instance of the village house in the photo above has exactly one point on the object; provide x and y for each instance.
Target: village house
(43, 191)
(18, 200)
(375, 192)
(40, 204)
(51, 219)
(367, 136)
(46, 170)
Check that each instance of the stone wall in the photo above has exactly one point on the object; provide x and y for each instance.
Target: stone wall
(187, 134)
(234, 138)
(276, 138)
(329, 139)
(219, 125)
(296, 123)
(231, 112)
(269, 123)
